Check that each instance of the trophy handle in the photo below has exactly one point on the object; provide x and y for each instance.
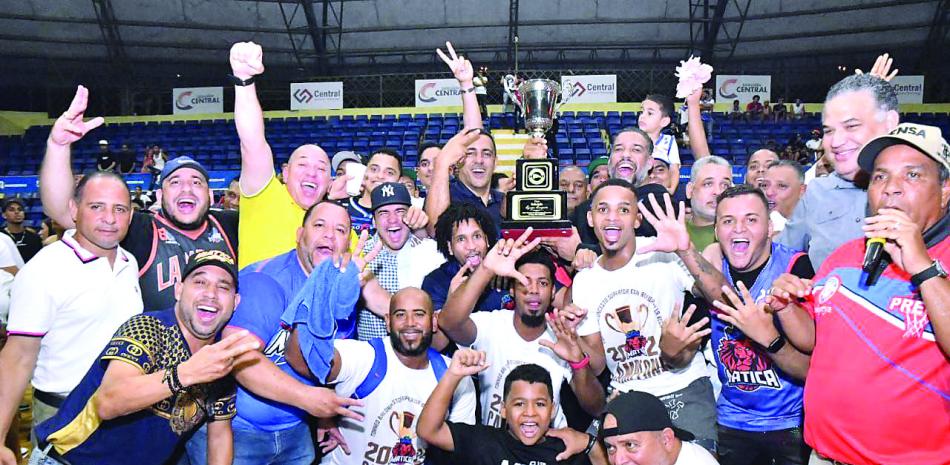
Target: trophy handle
(563, 99)
(509, 84)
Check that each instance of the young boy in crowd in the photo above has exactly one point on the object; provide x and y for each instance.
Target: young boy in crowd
(528, 406)
(655, 116)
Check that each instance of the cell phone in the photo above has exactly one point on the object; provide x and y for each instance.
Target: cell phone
(355, 171)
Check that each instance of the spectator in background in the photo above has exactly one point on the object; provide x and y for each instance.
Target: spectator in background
(736, 112)
(341, 159)
(597, 173)
(706, 106)
(824, 166)
(814, 146)
(383, 165)
(754, 109)
(660, 173)
(779, 110)
(758, 162)
(427, 153)
(28, 243)
(783, 185)
(798, 109)
(231, 200)
(767, 111)
(573, 181)
(125, 160)
(480, 81)
(105, 160)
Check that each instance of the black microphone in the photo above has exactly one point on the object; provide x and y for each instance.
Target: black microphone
(873, 257)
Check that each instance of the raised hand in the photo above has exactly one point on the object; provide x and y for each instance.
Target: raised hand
(454, 150)
(459, 277)
(247, 60)
(215, 361)
(467, 362)
(566, 345)
(692, 100)
(584, 258)
(671, 233)
(501, 259)
(565, 247)
(337, 190)
(787, 289)
(572, 316)
(324, 403)
(679, 335)
(905, 241)
(881, 68)
(536, 148)
(69, 127)
(415, 218)
(461, 68)
(743, 313)
(574, 441)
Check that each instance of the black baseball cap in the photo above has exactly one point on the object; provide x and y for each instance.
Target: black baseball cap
(217, 258)
(389, 193)
(633, 412)
(182, 162)
(13, 200)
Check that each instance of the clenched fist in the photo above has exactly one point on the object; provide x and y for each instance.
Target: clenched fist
(247, 60)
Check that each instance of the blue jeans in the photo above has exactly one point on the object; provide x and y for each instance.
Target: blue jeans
(291, 446)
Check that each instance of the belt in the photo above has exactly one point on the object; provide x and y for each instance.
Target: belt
(833, 461)
(48, 398)
(49, 452)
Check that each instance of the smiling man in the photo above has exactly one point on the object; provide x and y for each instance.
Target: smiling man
(160, 243)
(783, 186)
(857, 109)
(383, 165)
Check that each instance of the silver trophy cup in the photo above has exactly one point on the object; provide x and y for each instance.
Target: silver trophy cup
(538, 100)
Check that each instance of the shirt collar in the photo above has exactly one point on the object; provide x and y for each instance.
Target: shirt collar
(84, 255)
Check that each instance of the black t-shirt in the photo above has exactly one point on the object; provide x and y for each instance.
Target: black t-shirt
(485, 445)
(28, 243)
(801, 268)
(138, 241)
(105, 160)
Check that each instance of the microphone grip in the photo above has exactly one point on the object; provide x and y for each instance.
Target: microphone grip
(873, 256)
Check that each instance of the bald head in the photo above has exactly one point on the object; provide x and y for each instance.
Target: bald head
(307, 175)
(410, 298)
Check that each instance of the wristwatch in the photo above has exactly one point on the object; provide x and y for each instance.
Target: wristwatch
(776, 345)
(935, 269)
(240, 82)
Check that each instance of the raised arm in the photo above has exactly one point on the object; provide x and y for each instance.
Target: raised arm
(463, 72)
(432, 426)
(694, 127)
(438, 198)
(56, 174)
(257, 159)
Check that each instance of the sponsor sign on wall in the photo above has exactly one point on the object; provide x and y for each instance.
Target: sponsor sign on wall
(316, 95)
(197, 100)
(731, 87)
(598, 88)
(910, 89)
(438, 93)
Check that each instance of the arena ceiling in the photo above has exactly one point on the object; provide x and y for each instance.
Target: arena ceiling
(143, 42)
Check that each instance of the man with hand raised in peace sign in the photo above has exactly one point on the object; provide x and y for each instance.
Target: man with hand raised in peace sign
(511, 338)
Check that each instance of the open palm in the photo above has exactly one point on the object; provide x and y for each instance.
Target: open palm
(671, 233)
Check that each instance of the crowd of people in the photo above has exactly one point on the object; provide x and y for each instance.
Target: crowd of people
(320, 317)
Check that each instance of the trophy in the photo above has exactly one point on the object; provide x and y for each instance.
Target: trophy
(536, 202)
(538, 101)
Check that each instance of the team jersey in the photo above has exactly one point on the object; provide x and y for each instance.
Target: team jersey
(387, 434)
(506, 350)
(756, 395)
(151, 342)
(628, 307)
(361, 218)
(665, 149)
(878, 389)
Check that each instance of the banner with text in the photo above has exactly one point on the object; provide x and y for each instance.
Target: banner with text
(731, 87)
(910, 89)
(598, 88)
(316, 95)
(198, 100)
(438, 93)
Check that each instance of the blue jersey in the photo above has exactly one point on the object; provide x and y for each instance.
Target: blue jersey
(437, 282)
(267, 287)
(151, 342)
(361, 218)
(756, 394)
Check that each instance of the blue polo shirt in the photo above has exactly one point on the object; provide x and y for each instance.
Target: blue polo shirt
(458, 192)
(267, 287)
(437, 283)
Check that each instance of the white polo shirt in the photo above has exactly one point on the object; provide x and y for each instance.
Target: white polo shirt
(75, 302)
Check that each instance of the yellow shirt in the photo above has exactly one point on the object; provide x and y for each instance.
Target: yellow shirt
(269, 222)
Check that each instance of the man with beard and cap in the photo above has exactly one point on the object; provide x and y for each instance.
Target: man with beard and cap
(527, 334)
(637, 430)
(393, 377)
(633, 296)
(783, 186)
(161, 376)
(160, 242)
(573, 181)
(270, 210)
(273, 401)
(857, 109)
(880, 341)
(760, 405)
(404, 259)
(383, 165)
(68, 301)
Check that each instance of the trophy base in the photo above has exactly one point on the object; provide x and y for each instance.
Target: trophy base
(553, 229)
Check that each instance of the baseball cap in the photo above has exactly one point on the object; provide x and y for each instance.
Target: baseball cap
(216, 258)
(665, 162)
(636, 411)
(13, 200)
(928, 139)
(389, 193)
(594, 164)
(343, 156)
(181, 162)
(103, 142)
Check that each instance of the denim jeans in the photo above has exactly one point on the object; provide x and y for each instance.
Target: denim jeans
(39, 457)
(781, 447)
(291, 446)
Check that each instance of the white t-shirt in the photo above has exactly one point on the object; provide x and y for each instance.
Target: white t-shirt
(391, 412)
(778, 221)
(75, 301)
(9, 254)
(649, 287)
(694, 454)
(506, 350)
(416, 260)
(665, 148)
(798, 108)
